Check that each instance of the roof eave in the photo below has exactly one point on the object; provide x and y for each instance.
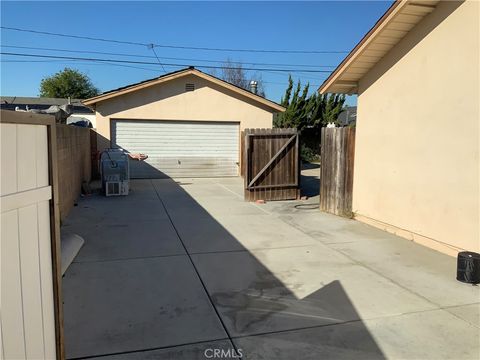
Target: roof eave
(334, 83)
(103, 97)
(327, 85)
(128, 89)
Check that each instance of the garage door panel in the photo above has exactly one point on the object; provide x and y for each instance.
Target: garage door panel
(217, 146)
(160, 169)
(179, 148)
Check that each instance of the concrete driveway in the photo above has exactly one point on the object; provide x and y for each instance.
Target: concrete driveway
(188, 270)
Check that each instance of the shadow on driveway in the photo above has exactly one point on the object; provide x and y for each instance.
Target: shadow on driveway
(160, 277)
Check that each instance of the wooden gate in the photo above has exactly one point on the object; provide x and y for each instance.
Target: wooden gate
(336, 176)
(271, 164)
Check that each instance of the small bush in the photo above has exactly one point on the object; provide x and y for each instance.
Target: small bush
(308, 155)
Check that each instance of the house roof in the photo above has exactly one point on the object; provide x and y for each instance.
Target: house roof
(397, 21)
(178, 74)
(11, 102)
(347, 116)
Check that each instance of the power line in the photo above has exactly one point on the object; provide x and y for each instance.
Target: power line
(72, 36)
(284, 83)
(144, 68)
(79, 62)
(34, 61)
(153, 49)
(154, 63)
(176, 46)
(300, 74)
(162, 57)
(273, 83)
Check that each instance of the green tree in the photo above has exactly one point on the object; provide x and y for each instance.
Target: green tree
(295, 114)
(326, 109)
(302, 111)
(68, 83)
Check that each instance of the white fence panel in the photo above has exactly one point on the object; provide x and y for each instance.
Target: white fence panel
(27, 312)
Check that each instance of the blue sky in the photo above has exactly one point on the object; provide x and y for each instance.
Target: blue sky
(322, 25)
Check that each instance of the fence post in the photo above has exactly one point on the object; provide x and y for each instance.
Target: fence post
(336, 170)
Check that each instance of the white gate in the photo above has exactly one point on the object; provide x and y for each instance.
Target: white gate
(27, 288)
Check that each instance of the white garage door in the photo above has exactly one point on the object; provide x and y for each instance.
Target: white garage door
(179, 148)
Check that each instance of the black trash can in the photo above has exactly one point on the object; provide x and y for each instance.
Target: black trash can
(468, 267)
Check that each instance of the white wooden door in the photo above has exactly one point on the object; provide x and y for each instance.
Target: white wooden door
(27, 308)
(179, 148)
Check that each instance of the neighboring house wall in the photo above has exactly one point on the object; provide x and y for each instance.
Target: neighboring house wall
(170, 101)
(74, 164)
(417, 144)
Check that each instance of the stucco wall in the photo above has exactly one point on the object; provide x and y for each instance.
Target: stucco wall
(169, 101)
(417, 152)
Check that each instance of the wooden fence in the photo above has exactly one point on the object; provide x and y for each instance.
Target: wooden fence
(74, 164)
(94, 154)
(336, 176)
(271, 164)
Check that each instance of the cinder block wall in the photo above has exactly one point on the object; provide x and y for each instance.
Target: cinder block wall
(74, 164)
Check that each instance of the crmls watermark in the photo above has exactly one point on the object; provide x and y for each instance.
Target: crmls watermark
(223, 353)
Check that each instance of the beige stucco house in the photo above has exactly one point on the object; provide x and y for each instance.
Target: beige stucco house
(187, 122)
(416, 169)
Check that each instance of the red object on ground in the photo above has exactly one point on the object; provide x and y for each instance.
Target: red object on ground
(260, 201)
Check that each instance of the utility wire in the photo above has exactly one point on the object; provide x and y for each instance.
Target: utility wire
(175, 46)
(154, 63)
(301, 74)
(72, 36)
(162, 57)
(153, 49)
(284, 83)
(77, 62)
